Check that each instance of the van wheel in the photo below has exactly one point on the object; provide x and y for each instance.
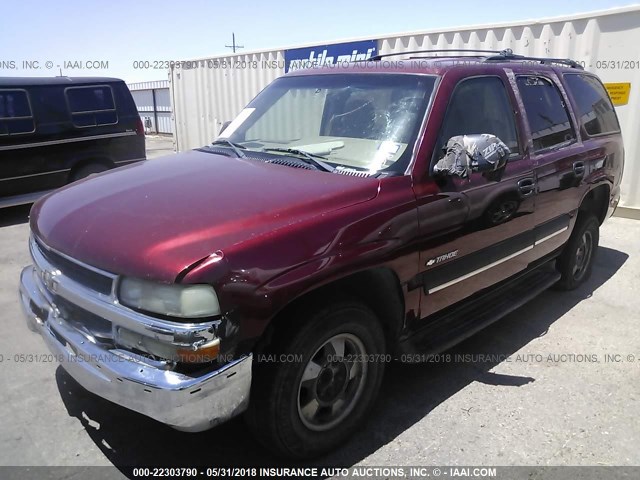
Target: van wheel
(312, 390)
(87, 170)
(576, 261)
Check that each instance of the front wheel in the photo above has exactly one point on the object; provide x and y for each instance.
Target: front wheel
(576, 261)
(315, 386)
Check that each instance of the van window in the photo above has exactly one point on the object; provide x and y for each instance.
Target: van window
(594, 105)
(91, 106)
(15, 113)
(480, 105)
(546, 112)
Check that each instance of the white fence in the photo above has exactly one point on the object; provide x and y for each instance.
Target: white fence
(153, 101)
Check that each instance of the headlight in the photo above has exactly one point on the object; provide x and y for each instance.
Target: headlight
(175, 300)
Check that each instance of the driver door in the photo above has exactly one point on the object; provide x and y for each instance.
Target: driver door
(489, 222)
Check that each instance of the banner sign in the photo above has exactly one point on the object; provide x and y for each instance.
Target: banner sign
(327, 55)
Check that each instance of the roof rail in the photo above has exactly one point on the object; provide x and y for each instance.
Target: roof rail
(542, 60)
(496, 56)
(380, 56)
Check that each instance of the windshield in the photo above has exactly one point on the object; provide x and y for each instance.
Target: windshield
(357, 121)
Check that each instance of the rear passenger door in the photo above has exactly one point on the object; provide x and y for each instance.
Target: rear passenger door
(599, 128)
(558, 156)
(493, 213)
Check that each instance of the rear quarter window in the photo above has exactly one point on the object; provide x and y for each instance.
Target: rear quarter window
(126, 106)
(16, 116)
(91, 106)
(594, 106)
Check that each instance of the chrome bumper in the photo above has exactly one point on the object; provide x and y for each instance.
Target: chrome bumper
(184, 402)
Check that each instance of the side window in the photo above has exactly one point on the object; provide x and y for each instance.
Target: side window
(594, 105)
(546, 112)
(480, 105)
(91, 106)
(15, 113)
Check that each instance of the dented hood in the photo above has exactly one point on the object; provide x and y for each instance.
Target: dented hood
(153, 219)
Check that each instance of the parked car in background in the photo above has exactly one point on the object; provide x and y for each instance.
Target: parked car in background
(346, 218)
(57, 130)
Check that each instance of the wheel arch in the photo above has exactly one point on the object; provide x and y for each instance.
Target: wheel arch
(378, 288)
(596, 202)
(81, 163)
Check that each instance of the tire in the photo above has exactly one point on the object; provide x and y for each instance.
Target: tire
(576, 260)
(307, 407)
(87, 170)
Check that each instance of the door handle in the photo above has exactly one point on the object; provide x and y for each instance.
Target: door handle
(526, 187)
(578, 169)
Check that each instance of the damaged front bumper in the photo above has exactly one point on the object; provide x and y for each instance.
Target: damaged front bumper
(148, 386)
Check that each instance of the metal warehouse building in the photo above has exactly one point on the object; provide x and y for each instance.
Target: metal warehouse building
(154, 105)
(207, 92)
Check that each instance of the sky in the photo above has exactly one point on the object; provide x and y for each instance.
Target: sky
(117, 38)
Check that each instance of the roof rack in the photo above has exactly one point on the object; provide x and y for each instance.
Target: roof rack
(380, 56)
(497, 56)
(509, 55)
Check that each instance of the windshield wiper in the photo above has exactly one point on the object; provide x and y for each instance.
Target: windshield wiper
(237, 148)
(310, 158)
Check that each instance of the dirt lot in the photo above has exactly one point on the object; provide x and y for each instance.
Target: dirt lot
(536, 388)
(159, 145)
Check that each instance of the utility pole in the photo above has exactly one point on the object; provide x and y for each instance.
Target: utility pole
(233, 43)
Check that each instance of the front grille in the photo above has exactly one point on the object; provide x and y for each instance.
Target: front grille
(83, 320)
(84, 276)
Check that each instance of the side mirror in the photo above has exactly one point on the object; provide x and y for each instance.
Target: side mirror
(224, 126)
(464, 154)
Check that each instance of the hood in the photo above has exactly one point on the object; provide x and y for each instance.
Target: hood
(153, 219)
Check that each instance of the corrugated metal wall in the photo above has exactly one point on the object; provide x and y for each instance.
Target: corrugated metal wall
(143, 94)
(206, 96)
(208, 92)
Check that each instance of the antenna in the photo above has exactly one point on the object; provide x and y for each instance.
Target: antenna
(233, 43)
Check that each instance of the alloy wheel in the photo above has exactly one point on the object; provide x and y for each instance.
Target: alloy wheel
(332, 382)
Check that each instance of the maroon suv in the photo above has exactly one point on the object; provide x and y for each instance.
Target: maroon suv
(346, 218)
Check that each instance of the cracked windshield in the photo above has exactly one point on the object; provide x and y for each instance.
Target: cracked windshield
(351, 121)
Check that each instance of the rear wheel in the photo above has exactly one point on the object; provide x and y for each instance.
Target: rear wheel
(87, 170)
(314, 387)
(576, 261)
